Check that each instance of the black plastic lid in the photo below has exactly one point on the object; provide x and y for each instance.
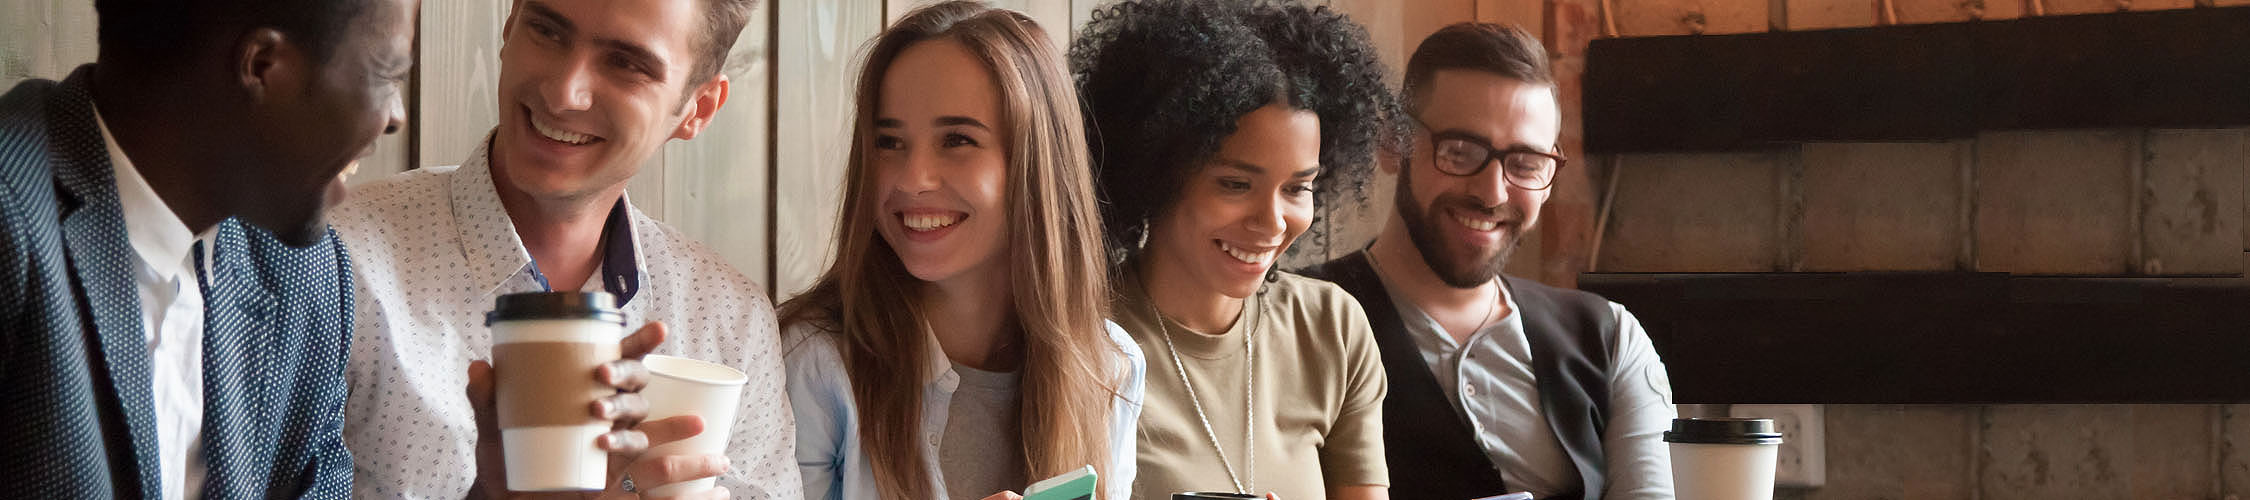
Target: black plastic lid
(596, 306)
(1723, 431)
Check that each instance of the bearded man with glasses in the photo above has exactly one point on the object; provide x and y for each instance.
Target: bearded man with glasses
(1498, 384)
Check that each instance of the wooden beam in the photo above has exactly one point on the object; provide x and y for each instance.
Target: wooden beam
(1914, 338)
(2177, 69)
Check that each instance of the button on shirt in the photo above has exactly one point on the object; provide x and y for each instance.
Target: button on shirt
(171, 298)
(433, 248)
(1490, 379)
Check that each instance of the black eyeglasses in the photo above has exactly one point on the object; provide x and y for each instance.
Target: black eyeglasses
(1466, 155)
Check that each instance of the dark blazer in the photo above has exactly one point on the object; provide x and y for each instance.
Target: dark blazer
(79, 420)
(1435, 457)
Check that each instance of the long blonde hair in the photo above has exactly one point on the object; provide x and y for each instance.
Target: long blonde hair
(1058, 281)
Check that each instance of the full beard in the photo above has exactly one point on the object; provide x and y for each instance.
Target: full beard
(1458, 271)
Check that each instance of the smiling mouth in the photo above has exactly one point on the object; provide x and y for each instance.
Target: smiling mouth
(930, 222)
(1248, 256)
(557, 134)
(1475, 223)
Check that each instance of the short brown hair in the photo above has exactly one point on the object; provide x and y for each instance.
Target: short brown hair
(721, 27)
(1501, 50)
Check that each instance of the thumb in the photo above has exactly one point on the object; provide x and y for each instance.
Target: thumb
(480, 392)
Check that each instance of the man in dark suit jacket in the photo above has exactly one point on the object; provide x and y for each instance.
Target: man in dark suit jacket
(186, 172)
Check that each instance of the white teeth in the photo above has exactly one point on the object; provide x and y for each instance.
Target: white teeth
(1247, 257)
(931, 222)
(1480, 225)
(559, 135)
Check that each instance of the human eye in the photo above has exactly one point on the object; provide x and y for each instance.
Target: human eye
(959, 140)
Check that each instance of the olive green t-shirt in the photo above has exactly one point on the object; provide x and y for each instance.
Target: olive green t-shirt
(1317, 395)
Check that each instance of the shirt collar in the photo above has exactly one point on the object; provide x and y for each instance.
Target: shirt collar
(495, 251)
(157, 234)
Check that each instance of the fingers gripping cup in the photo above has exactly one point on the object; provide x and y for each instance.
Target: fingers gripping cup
(545, 348)
(681, 386)
(1723, 458)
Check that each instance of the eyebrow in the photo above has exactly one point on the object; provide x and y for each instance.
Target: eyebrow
(636, 52)
(632, 50)
(942, 121)
(1486, 142)
(1255, 169)
(539, 9)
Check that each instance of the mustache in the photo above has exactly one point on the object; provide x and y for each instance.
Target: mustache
(1508, 214)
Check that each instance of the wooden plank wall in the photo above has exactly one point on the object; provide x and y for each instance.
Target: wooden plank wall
(761, 186)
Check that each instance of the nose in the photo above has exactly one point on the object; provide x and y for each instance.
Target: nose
(1491, 185)
(920, 172)
(570, 89)
(1268, 217)
(395, 116)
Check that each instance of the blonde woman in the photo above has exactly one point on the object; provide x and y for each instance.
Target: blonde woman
(957, 347)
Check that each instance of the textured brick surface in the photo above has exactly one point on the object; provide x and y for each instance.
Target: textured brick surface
(2054, 202)
(1883, 206)
(1682, 17)
(1694, 213)
(1802, 15)
(2173, 451)
(2234, 451)
(1897, 452)
(2052, 452)
(2192, 205)
(1948, 11)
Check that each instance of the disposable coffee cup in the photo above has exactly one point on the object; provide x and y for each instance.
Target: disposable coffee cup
(1209, 495)
(1723, 458)
(545, 348)
(681, 386)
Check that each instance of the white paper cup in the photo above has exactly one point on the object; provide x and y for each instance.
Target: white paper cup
(681, 386)
(1723, 458)
(545, 348)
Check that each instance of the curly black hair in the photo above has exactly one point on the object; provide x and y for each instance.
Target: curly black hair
(1165, 80)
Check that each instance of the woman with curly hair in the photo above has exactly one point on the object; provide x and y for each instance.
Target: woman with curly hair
(958, 345)
(1221, 131)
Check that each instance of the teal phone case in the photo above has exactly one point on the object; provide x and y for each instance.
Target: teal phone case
(1074, 485)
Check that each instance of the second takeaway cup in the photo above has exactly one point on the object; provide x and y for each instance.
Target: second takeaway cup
(545, 348)
(681, 386)
(1723, 458)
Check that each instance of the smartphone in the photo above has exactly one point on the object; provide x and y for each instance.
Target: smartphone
(1074, 485)
(1511, 496)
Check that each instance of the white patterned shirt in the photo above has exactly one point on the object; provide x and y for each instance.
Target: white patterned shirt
(432, 248)
(164, 273)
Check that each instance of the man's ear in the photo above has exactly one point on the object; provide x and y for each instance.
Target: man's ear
(702, 106)
(266, 62)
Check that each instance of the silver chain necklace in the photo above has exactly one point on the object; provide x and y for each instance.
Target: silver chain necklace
(1489, 309)
(1250, 375)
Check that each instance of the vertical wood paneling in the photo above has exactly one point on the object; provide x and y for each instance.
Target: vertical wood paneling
(719, 187)
(45, 39)
(818, 47)
(460, 69)
(48, 39)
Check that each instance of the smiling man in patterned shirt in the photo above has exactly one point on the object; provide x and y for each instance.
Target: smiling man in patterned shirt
(589, 91)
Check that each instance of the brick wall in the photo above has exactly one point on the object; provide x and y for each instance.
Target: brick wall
(2034, 452)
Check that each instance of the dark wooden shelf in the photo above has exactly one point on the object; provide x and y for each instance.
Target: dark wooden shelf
(1841, 338)
(2161, 69)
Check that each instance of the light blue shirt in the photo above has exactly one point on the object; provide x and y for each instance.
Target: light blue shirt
(829, 455)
